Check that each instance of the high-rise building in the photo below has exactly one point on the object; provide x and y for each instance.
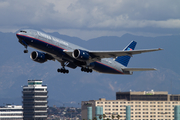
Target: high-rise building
(146, 105)
(11, 112)
(35, 100)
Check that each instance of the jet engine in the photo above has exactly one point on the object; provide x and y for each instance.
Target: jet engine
(38, 56)
(80, 55)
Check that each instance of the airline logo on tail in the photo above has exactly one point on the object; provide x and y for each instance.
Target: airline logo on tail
(129, 49)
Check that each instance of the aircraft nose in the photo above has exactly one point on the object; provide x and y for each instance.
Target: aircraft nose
(17, 35)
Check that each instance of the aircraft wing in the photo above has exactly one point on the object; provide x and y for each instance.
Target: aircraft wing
(108, 54)
(138, 69)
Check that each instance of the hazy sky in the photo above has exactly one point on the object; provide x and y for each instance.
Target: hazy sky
(92, 18)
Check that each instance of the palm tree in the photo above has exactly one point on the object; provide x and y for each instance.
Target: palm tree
(112, 116)
(104, 116)
(118, 116)
(100, 117)
(94, 118)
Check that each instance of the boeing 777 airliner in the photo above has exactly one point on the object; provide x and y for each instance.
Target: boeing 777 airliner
(73, 56)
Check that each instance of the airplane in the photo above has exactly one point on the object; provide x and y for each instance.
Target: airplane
(72, 56)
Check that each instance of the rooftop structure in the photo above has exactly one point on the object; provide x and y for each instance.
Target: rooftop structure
(147, 95)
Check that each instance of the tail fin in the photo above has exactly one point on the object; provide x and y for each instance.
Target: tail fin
(124, 60)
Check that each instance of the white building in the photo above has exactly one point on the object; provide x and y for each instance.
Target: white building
(11, 112)
(144, 105)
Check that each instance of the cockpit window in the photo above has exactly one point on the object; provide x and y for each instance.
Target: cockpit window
(23, 31)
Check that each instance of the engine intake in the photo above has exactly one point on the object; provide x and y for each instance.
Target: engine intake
(80, 55)
(38, 56)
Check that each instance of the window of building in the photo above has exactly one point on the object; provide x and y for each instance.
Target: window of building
(137, 112)
(153, 105)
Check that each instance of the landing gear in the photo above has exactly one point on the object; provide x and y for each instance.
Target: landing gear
(63, 70)
(25, 45)
(25, 51)
(84, 69)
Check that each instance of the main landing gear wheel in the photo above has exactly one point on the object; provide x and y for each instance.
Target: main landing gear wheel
(86, 70)
(62, 70)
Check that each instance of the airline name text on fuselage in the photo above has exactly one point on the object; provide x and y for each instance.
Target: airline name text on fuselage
(51, 38)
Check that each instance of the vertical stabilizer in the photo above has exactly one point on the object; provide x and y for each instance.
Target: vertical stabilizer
(124, 60)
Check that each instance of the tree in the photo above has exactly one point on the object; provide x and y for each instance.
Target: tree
(100, 117)
(118, 116)
(112, 116)
(104, 116)
(94, 118)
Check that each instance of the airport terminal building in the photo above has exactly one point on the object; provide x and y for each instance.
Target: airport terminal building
(143, 105)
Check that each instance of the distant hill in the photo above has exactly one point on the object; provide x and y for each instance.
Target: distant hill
(70, 89)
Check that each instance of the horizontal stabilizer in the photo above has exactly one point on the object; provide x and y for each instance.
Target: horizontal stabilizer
(138, 69)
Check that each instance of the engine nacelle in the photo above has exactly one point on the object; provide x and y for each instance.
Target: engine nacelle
(38, 56)
(80, 55)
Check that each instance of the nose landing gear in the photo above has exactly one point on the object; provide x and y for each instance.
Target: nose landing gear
(25, 51)
(25, 45)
